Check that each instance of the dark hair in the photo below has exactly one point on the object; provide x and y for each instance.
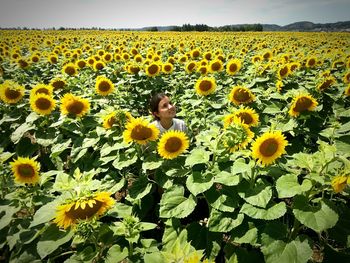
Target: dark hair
(154, 102)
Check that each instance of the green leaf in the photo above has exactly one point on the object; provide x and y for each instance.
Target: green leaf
(9, 212)
(116, 254)
(20, 131)
(52, 239)
(58, 148)
(139, 188)
(224, 222)
(145, 226)
(288, 186)
(151, 163)
(174, 204)
(124, 160)
(245, 234)
(270, 213)
(155, 257)
(225, 200)
(298, 251)
(120, 210)
(227, 178)
(259, 195)
(319, 217)
(197, 156)
(45, 213)
(198, 182)
(239, 166)
(63, 182)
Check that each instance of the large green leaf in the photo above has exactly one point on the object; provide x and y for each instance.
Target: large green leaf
(298, 251)
(259, 195)
(198, 182)
(152, 162)
(174, 204)
(139, 188)
(288, 186)
(245, 234)
(20, 131)
(45, 213)
(225, 200)
(8, 216)
(58, 148)
(227, 178)
(124, 160)
(319, 217)
(52, 239)
(270, 213)
(197, 156)
(116, 254)
(224, 222)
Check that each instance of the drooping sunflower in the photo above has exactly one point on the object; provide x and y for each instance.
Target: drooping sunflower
(83, 208)
(248, 116)
(203, 70)
(205, 86)
(25, 170)
(42, 104)
(58, 83)
(11, 92)
(301, 103)
(74, 105)
(326, 83)
(237, 135)
(233, 66)
(346, 77)
(152, 69)
(167, 68)
(241, 95)
(172, 144)
(140, 131)
(191, 67)
(41, 88)
(23, 63)
(116, 118)
(216, 65)
(104, 86)
(283, 71)
(70, 69)
(311, 62)
(269, 147)
(293, 66)
(339, 183)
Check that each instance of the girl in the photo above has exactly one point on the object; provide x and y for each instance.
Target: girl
(164, 113)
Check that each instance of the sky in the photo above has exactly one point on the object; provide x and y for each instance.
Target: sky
(141, 13)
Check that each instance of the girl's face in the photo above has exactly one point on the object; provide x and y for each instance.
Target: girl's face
(165, 109)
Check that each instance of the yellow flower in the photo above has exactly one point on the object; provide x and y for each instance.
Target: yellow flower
(58, 83)
(41, 89)
(22, 63)
(98, 65)
(216, 65)
(11, 92)
(42, 104)
(140, 131)
(84, 208)
(70, 69)
(326, 83)
(191, 67)
(346, 77)
(347, 91)
(241, 95)
(233, 66)
(133, 68)
(167, 68)
(340, 182)
(293, 66)
(74, 105)
(203, 70)
(205, 86)
(311, 62)
(283, 71)
(237, 135)
(25, 170)
(52, 58)
(104, 86)
(172, 144)
(248, 116)
(269, 147)
(81, 63)
(301, 103)
(119, 118)
(153, 69)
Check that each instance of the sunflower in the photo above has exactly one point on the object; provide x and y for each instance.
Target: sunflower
(283, 72)
(241, 95)
(293, 66)
(116, 118)
(256, 59)
(248, 116)
(140, 131)
(340, 182)
(191, 67)
(42, 104)
(205, 86)
(25, 170)
(34, 58)
(233, 66)
(167, 68)
(326, 83)
(70, 69)
(11, 92)
(268, 147)
(216, 65)
(22, 63)
(347, 91)
(267, 55)
(74, 105)
(301, 103)
(133, 68)
(153, 69)
(81, 63)
(172, 144)
(195, 53)
(104, 86)
(58, 83)
(107, 57)
(138, 58)
(237, 135)
(346, 77)
(84, 208)
(98, 65)
(41, 89)
(311, 62)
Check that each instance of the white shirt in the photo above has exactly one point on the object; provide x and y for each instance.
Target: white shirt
(178, 125)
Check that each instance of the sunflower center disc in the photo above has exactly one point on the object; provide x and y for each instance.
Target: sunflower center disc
(302, 104)
(173, 144)
(141, 133)
(76, 107)
(43, 104)
(205, 85)
(26, 170)
(12, 94)
(269, 147)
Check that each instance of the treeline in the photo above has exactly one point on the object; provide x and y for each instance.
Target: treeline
(227, 28)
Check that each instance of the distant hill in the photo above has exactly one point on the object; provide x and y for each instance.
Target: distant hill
(301, 26)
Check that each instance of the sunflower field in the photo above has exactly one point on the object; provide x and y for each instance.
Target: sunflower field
(262, 174)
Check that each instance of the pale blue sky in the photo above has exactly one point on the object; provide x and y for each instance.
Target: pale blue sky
(140, 13)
